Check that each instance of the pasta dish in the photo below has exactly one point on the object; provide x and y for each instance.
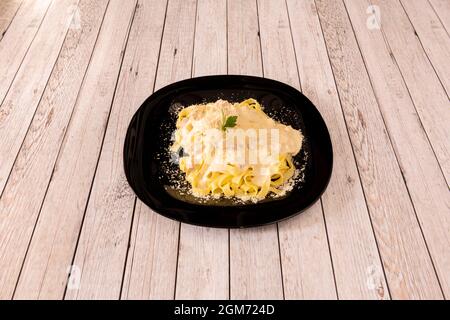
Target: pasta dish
(235, 150)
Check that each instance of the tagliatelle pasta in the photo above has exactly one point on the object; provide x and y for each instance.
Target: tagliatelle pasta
(235, 150)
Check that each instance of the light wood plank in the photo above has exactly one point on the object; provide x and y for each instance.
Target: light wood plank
(103, 245)
(352, 242)
(305, 256)
(8, 10)
(22, 99)
(16, 227)
(429, 97)
(71, 181)
(423, 176)
(152, 258)
(17, 40)
(424, 86)
(408, 267)
(442, 10)
(210, 50)
(255, 270)
(38, 154)
(244, 47)
(70, 187)
(203, 253)
(432, 35)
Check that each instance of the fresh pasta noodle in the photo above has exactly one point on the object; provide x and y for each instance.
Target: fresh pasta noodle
(235, 150)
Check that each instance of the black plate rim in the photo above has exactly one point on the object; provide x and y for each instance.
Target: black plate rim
(287, 215)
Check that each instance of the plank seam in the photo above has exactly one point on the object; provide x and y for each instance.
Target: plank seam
(293, 46)
(134, 250)
(423, 48)
(386, 41)
(276, 225)
(62, 143)
(101, 147)
(392, 145)
(128, 248)
(409, 91)
(21, 147)
(426, 135)
(437, 15)
(321, 204)
(192, 73)
(135, 198)
(259, 37)
(329, 248)
(66, 129)
(281, 264)
(6, 94)
(353, 151)
(176, 268)
(25, 55)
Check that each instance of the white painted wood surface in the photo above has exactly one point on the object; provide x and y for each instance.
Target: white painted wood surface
(203, 252)
(442, 9)
(72, 73)
(423, 176)
(407, 264)
(15, 43)
(20, 92)
(432, 35)
(352, 244)
(425, 88)
(37, 157)
(107, 223)
(152, 258)
(305, 256)
(255, 267)
(16, 112)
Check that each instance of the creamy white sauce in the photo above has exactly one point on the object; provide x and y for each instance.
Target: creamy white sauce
(207, 118)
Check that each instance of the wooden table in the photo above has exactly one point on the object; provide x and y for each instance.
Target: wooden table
(73, 72)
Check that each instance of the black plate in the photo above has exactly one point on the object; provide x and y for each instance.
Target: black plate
(147, 160)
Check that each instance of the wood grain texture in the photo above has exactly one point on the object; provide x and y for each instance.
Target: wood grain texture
(244, 47)
(429, 97)
(255, 269)
(442, 10)
(210, 43)
(17, 40)
(103, 245)
(71, 181)
(306, 262)
(152, 258)
(22, 97)
(203, 252)
(407, 264)
(8, 10)
(72, 73)
(427, 186)
(433, 36)
(16, 113)
(349, 229)
(75, 174)
(38, 154)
